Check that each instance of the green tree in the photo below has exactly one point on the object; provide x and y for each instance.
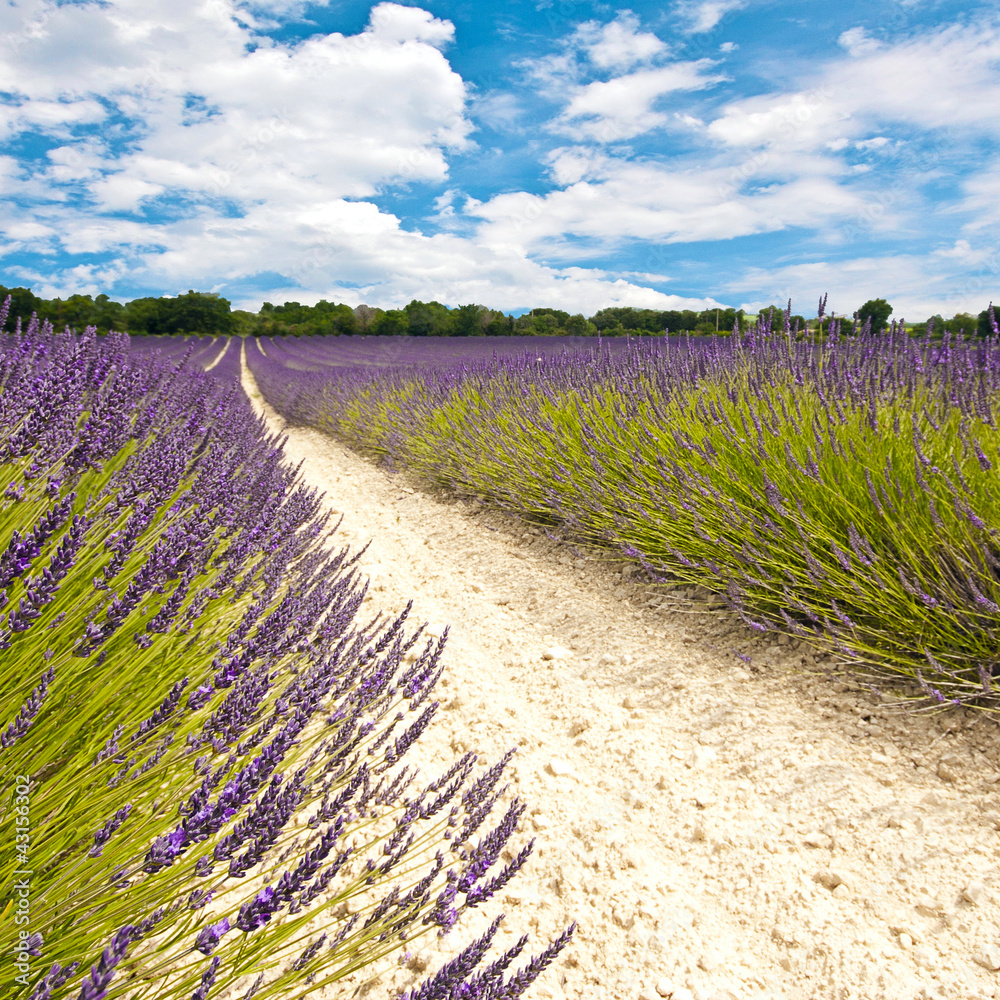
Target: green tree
(984, 327)
(366, 315)
(676, 320)
(579, 326)
(962, 324)
(76, 312)
(143, 315)
(108, 314)
(194, 312)
(878, 311)
(429, 319)
(391, 323)
(625, 317)
(500, 325)
(199, 312)
(248, 324)
(342, 319)
(936, 324)
(468, 320)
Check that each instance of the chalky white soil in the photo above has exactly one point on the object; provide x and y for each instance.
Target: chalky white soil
(715, 829)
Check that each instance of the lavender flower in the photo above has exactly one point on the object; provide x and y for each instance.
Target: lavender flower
(52, 980)
(18, 726)
(259, 910)
(208, 939)
(207, 980)
(102, 836)
(95, 986)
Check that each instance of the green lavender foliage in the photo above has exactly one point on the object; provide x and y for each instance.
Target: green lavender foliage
(843, 492)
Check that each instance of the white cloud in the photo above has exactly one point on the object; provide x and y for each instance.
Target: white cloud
(291, 138)
(623, 107)
(878, 142)
(80, 161)
(118, 193)
(374, 260)
(607, 200)
(857, 42)
(396, 23)
(619, 44)
(498, 109)
(963, 252)
(649, 276)
(703, 15)
(946, 78)
(332, 115)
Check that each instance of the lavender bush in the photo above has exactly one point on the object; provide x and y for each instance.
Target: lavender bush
(842, 490)
(200, 741)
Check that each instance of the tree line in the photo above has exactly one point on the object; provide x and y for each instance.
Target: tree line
(207, 313)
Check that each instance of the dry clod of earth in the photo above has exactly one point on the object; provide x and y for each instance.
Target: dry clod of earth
(718, 829)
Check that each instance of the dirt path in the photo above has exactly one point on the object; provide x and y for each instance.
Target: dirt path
(717, 829)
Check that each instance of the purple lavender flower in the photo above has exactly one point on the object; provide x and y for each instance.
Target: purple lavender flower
(209, 938)
(259, 910)
(52, 980)
(102, 836)
(163, 851)
(95, 986)
(200, 898)
(309, 954)
(199, 697)
(162, 713)
(207, 980)
(22, 722)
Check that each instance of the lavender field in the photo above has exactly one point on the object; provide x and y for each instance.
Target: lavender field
(203, 738)
(842, 492)
(180, 627)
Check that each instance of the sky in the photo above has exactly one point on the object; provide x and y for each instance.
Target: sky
(560, 153)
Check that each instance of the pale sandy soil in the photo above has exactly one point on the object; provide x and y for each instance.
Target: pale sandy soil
(716, 830)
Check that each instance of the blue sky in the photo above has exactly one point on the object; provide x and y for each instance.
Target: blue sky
(536, 152)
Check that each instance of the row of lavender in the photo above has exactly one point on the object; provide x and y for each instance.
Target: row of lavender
(843, 492)
(200, 740)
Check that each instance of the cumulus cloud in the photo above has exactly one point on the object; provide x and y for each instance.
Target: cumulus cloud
(607, 201)
(618, 44)
(396, 23)
(634, 74)
(622, 102)
(189, 151)
(350, 251)
(333, 114)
